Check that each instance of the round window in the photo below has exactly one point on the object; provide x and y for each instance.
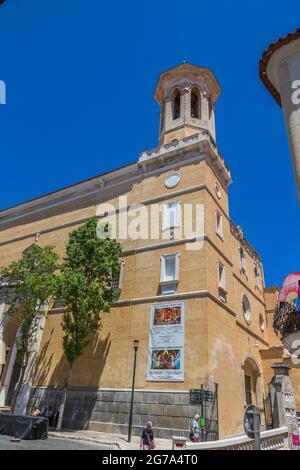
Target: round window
(246, 309)
(172, 180)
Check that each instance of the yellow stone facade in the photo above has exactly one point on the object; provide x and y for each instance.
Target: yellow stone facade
(221, 344)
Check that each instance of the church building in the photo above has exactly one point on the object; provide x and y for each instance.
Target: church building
(192, 290)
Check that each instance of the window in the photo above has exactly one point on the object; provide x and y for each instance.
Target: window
(162, 117)
(261, 322)
(116, 282)
(246, 309)
(171, 215)
(176, 104)
(222, 282)
(243, 259)
(222, 278)
(210, 106)
(257, 277)
(195, 103)
(169, 273)
(248, 389)
(219, 224)
(218, 190)
(117, 279)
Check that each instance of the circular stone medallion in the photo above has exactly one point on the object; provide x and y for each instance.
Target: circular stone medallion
(172, 180)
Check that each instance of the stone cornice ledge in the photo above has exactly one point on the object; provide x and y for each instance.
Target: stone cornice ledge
(238, 233)
(197, 147)
(249, 290)
(251, 333)
(163, 299)
(175, 297)
(201, 141)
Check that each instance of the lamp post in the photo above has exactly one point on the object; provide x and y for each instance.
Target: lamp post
(135, 346)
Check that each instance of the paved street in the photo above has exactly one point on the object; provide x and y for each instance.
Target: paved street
(50, 444)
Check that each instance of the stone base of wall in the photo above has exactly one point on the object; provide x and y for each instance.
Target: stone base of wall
(108, 410)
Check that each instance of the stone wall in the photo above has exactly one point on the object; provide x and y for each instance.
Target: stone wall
(108, 410)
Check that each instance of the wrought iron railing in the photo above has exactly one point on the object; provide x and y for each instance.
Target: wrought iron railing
(286, 318)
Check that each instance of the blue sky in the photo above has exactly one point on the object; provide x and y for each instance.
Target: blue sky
(72, 67)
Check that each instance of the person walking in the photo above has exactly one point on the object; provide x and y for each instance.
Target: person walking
(147, 438)
(50, 416)
(195, 429)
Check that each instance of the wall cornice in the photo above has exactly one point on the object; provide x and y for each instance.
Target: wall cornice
(251, 333)
(238, 233)
(249, 290)
(201, 142)
(195, 148)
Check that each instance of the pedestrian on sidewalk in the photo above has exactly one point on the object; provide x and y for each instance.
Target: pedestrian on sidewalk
(195, 429)
(36, 412)
(147, 438)
(50, 416)
(56, 416)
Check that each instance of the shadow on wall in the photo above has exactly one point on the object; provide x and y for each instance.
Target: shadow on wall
(87, 371)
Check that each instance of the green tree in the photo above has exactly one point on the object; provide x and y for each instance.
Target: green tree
(33, 283)
(86, 290)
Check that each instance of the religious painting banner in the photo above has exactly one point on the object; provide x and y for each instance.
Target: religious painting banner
(166, 343)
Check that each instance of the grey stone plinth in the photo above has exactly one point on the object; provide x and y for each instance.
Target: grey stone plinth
(108, 410)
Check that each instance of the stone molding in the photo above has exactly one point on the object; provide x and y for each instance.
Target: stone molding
(197, 147)
(238, 233)
(267, 56)
(201, 142)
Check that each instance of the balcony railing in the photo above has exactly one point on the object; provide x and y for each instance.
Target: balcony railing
(274, 439)
(286, 319)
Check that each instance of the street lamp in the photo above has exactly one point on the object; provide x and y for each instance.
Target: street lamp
(135, 347)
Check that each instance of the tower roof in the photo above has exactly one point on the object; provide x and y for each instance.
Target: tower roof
(191, 72)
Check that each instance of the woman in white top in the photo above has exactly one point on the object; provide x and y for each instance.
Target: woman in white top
(196, 429)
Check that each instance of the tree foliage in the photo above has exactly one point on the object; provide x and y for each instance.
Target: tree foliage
(85, 285)
(33, 283)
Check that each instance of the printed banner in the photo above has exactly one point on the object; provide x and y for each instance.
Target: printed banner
(166, 343)
(290, 289)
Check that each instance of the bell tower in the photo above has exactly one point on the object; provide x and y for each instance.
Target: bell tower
(186, 95)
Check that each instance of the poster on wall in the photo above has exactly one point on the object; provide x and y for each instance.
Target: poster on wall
(166, 343)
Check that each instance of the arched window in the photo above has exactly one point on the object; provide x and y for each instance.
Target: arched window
(195, 103)
(250, 383)
(176, 104)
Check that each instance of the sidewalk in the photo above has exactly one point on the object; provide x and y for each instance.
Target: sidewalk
(116, 441)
